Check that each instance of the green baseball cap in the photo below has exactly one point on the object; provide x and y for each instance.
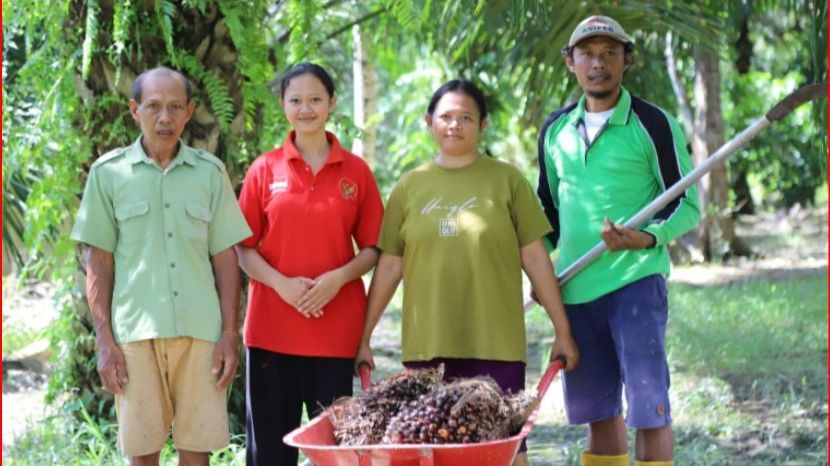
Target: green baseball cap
(598, 25)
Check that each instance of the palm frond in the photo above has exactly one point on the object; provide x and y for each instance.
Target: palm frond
(90, 34)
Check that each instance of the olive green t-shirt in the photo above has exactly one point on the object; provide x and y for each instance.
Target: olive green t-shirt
(460, 233)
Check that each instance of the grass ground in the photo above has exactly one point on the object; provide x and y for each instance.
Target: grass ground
(749, 378)
(749, 371)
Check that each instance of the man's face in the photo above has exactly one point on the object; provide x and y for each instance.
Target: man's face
(598, 63)
(162, 113)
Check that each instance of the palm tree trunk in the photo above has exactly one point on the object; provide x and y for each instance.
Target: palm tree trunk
(365, 98)
(716, 233)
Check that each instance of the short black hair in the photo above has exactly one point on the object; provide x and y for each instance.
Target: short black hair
(308, 68)
(465, 87)
(138, 85)
(628, 47)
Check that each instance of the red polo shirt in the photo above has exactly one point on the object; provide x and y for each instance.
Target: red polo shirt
(303, 225)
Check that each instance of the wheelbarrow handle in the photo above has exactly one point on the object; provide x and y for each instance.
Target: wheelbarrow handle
(365, 373)
(555, 366)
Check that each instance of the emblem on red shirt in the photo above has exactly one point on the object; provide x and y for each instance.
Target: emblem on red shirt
(348, 188)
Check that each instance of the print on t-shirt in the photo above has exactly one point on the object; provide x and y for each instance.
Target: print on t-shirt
(279, 185)
(448, 226)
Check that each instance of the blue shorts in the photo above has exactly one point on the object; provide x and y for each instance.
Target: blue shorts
(621, 341)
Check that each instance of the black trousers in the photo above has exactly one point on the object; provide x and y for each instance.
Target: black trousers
(277, 387)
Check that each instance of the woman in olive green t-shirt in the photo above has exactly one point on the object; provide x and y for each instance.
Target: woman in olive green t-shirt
(459, 230)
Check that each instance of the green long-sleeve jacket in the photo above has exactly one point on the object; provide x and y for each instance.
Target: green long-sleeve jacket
(636, 156)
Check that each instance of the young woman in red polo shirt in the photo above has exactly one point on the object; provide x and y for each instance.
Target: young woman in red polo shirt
(458, 230)
(307, 202)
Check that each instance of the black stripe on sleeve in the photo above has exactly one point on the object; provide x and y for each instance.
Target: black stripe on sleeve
(659, 131)
(543, 190)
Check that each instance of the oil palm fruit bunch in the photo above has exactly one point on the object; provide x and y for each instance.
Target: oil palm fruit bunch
(465, 411)
(362, 420)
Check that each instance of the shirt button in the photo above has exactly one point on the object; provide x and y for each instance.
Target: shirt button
(312, 188)
(166, 205)
(169, 235)
(175, 293)
(172, 265)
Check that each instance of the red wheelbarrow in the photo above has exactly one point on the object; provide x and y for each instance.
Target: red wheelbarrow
(316, 441)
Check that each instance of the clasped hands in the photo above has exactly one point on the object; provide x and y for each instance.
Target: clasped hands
(309, 295)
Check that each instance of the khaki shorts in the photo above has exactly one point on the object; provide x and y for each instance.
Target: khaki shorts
(170, 384)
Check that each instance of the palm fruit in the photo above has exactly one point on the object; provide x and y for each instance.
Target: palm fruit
(465, 411)
(362, 420)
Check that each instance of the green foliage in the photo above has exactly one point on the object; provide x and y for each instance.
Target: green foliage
(216, 90)
(16, 336)
(165, 12)
(788, 151)
(524, 38)
(793, 151)
(252, 60)
(65, 104)
(305, 38)
(85, 441)
(16, 190)
(92, 11)
(821, 194)
(123, 19)
(406, 14)
(409, 143)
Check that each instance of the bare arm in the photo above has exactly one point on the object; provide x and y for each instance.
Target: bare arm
(327, 285)
(100, 272)
(536, 263)
(385, 281)
(226, 352)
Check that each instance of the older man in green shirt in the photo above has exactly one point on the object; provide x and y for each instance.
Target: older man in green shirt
(161, 219)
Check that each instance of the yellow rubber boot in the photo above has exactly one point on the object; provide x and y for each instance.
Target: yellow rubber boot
(654, 463)
(589, 459)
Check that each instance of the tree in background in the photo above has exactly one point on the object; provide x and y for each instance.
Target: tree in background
(68, 68)
(727, 82)
(68, 72)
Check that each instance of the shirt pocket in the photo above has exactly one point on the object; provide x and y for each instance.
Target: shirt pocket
(196, 223)
(133, 221)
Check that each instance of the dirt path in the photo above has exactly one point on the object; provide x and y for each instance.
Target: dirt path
(27, 311)
(786, 244)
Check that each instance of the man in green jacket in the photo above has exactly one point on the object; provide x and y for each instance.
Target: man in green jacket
(160, 220)
(601, 161)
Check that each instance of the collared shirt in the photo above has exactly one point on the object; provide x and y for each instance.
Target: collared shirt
(304, 225)
(635, 157)
(162, 227)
